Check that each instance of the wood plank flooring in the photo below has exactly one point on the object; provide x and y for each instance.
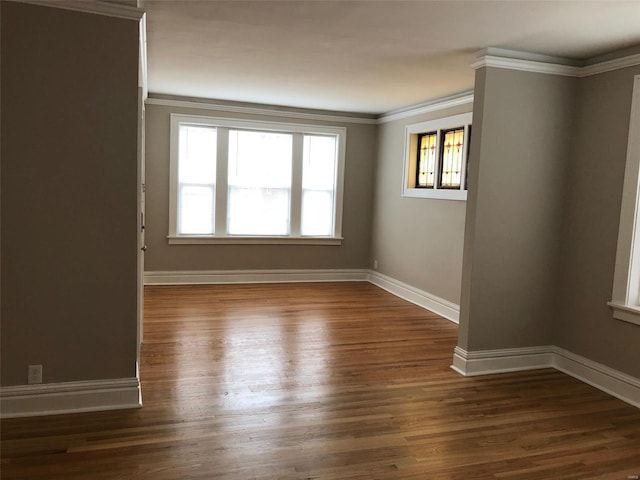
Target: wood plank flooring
(324, 381)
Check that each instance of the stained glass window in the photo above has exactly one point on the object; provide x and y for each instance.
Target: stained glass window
(427, 153)
(452, 153)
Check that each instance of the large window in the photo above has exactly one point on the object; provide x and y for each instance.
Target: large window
(235, 181)
(625, 297)
(437, 158)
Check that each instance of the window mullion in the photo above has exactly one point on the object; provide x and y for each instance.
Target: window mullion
(463, 165)
(437, 173)
(222, 181)
(295, 218)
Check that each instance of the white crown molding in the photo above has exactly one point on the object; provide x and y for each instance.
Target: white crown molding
(526, 66)
(487, 362)
(259, 111)
(69, 397)
(437, 105)
(205, 277)
(555, 68)
(423, 299)
(611, 65)
(90, 6)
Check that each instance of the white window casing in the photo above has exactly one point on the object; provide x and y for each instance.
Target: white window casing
(625, 297)
(221, 189)
(410, 161)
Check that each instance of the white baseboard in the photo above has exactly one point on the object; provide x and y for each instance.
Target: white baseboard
(442, 307)
(438, 305)
(620, 385)
(486, 362)
(69, 397)
(253, 276)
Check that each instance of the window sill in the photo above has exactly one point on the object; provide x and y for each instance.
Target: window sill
(435, 194)
(246, 240)
(626, 313)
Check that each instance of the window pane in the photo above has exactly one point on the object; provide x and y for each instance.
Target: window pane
(426, 169)
(318, 184)
(197, 162)
(451, 160)
(258, 211)
(195, 210)
(317, 213)
(259, 183)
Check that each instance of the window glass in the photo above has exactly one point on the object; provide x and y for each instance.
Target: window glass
(318, 184)
(452, 151)
(427, 152)
(196, 179)
(196, 210)
(259, 188)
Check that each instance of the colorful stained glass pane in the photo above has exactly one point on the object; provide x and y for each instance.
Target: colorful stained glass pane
(452, 152)
(427, 152)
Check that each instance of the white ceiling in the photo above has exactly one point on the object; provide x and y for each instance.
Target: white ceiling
(361, 56)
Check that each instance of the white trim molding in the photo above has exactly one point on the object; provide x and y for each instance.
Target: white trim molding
(564, 67)
(616, 383)
(433, 303)
(526, 66)
(464, 98)
(423, 299)
(487, 362)
(411, 147)
(212, 277)
(91, 6)
(258, 110)
(219, 185)
(69, 397)
(625, 295)
(248, 240)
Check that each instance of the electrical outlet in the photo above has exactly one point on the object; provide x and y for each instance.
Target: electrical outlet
(375, 264)
(34, 374)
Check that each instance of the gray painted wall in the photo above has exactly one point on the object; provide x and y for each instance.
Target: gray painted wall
(69, 123)
(543, 212)
(356, 223)
(584, 323)
(415, 240)
(515, 208)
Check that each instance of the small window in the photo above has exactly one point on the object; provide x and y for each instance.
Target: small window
(436, 158)
(236, 181)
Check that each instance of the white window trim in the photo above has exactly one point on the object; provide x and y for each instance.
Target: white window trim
(453, 121)
(625, 297)
(221, 193)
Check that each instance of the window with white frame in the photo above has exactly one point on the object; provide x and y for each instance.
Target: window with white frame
(238, 181)
(625, 297)
(437, 158)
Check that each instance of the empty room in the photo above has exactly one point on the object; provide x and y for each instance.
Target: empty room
(320, 239)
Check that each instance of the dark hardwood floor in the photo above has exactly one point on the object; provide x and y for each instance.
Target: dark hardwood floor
(324, 381)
